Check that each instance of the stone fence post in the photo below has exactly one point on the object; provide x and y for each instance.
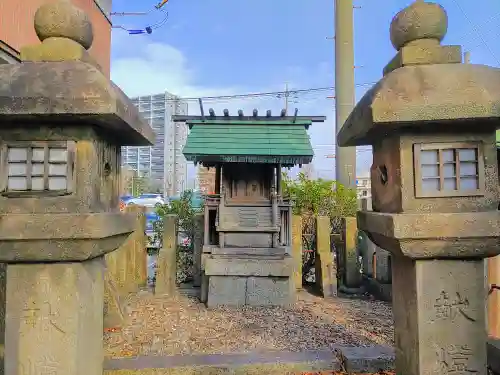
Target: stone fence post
(431, 121)
(166, 271)
(376, 263)
(350, 265)
(126, 270)
(325, 269)
(198, 248)
(127, 266)
(297, 250)
(137, 249)
(367, 247)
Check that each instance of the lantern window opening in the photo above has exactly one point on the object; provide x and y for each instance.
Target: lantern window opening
(448, 169)
(37, 168)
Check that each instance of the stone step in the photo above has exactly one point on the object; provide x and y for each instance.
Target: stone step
(359, 359)
(192, 292)
(249, 256)
(248, 251)
(241, 229)
(189, 290)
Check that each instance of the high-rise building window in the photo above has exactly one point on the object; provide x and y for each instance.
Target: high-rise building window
(162, 157)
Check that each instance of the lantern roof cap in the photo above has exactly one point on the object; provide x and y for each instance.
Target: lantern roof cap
(59, 84)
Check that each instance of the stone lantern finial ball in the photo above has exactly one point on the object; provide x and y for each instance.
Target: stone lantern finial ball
(420, 20)
(62, 19)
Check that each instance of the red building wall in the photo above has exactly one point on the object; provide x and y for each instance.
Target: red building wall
(16, 26)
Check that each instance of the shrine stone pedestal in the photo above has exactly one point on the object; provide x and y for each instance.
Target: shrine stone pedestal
(54, 317)
(439, 309)
(62, 125)
(431, 121)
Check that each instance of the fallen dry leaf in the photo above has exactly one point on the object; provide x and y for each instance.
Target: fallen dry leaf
(165, 326)
(345, 373)
(114, 329)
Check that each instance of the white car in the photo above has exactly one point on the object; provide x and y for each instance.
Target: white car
(147, 202)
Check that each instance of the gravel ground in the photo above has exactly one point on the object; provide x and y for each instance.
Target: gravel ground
(343, 373)
(166, 326)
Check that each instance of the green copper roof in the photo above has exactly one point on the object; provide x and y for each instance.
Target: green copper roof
(249, 141)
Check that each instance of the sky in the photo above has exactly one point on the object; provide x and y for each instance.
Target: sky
(228, 47)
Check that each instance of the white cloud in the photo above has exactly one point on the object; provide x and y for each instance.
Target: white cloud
(152, 68)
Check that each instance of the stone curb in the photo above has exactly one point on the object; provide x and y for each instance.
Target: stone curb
(359, 359)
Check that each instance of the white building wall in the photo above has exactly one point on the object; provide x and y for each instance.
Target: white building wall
(163, 162)
(364, 185)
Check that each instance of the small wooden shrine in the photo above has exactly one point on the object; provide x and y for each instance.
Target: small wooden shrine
(247, 236)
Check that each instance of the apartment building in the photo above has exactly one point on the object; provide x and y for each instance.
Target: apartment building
(364, 185)
(163, 162)
(17, 30)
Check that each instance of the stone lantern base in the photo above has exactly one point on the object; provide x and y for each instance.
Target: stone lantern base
(50, 309)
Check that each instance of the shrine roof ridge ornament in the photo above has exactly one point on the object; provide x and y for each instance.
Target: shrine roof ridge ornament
(254, 118)
(58, 81)
(425, 84)
(248, 139)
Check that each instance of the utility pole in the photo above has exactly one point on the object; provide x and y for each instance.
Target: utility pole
(345, 160)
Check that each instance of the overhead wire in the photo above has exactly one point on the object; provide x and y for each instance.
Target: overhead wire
(146, 30)
(276, 94)
(161, 23)
(124, 14)
(476, 30)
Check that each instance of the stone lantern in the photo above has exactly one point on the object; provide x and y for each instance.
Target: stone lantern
(62, 123)
(431, 121)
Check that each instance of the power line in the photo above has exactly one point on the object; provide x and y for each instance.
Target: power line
(303, 99)
(278, 94)
(287, 94)
(477, 31)
(147, 29)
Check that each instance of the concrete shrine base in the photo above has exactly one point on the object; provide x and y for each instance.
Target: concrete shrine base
(249, 280)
